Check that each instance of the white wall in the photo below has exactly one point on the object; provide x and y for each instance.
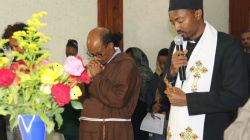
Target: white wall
(146, 23)
(66, 19)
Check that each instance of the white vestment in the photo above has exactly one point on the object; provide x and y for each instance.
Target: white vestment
(181, 125)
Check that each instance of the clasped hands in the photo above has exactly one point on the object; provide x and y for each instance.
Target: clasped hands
(93, 68)
(175, 95)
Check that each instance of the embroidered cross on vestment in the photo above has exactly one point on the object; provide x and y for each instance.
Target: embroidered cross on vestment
(198, 69)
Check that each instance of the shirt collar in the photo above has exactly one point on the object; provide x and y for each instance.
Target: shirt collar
(195, 41)
(117, 51)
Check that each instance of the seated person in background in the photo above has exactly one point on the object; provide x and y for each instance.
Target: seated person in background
(158, 103)
(142, 63)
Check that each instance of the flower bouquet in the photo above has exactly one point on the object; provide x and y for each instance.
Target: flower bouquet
(33, 86)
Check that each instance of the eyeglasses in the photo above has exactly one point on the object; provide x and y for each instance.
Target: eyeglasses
(98, 54)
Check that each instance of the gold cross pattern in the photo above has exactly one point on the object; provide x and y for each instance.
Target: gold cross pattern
(188, 134)
(197, 70)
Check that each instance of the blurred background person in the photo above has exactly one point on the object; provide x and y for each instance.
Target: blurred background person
(146, 73)
(71, 48)
(245, 39)
(8, 33)
(158, 75)
(158, 103)
(12, 45)
(239, 129)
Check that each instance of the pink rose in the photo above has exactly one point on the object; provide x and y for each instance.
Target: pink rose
(61, 94)
(7, 77)
(73, 66)
(44, 62)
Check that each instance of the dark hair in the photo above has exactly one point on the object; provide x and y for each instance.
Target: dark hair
(139, 56)
(8, 32)
(107, 37)
(163, 52)
(72, 43)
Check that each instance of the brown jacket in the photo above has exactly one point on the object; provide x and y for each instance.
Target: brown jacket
(113, 94)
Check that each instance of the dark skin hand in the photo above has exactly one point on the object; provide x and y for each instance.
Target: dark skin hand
(156, 107)
(178, 60)
(94, 68)
(175, 95)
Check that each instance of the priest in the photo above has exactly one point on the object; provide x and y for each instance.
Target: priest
(113, 90)
(204, 104)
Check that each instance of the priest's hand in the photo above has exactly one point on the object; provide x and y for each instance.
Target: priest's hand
(94, 68)
(178, 60)
(177, 97)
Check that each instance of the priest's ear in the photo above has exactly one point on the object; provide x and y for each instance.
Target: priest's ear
(110, 45)
(198, 14)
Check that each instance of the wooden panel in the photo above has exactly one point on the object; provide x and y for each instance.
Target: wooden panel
(110, 15)
(102, 16)
(239, 16)
(249, 15)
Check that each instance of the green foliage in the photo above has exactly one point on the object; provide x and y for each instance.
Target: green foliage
(76, 105)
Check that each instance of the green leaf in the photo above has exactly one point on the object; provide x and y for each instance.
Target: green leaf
(13, 122)
(59, 120)
(56, 111)
(50, 124)
(3, 112)
(76, 105)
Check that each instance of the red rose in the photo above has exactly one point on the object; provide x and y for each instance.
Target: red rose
(7, 77)
(83, 78)
(18, 66)
(61, 94)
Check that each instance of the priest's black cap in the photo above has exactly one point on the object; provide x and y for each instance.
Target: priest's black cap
(185, 4)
